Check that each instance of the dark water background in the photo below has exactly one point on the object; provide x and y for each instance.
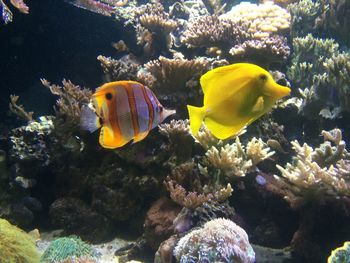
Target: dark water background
(54, 41)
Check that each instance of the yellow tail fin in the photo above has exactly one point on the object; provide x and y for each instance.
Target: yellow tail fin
(196, 115)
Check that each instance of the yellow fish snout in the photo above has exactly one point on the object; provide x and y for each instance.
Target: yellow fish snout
(276, 90)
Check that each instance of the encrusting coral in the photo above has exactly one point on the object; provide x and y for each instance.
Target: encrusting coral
(317, 174)
(16, 245)
(219, 240)
(264, 19)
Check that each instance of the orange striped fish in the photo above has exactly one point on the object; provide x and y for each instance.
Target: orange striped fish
(126, 110)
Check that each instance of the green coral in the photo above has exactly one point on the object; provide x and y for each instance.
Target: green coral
(322, 73)
(341, 254)
(16, 246)
(68, 248)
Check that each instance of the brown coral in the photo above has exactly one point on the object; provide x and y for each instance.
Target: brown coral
(122, 69)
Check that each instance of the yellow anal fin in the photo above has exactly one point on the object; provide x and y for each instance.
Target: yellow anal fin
(110, 140)
(259, 105)
(140, 136)
(220, 131)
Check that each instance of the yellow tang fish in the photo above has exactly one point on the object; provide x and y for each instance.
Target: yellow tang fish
(126, 110)
(234, 97)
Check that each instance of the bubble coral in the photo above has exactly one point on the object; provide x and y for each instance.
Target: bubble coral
(16, 245)
(219, 240)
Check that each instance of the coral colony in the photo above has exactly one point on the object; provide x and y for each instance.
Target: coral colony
(282, 184)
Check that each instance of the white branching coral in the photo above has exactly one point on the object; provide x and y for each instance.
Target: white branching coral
(235, 161)
(317, 174)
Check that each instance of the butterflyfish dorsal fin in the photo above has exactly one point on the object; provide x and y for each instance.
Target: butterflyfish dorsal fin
(220, 131)
(259, 105)
(219, 75)
(109, 139)
(140, 136)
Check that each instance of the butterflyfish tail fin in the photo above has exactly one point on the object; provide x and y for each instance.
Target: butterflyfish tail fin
(89, 121)
(220, 131)
(196, 115)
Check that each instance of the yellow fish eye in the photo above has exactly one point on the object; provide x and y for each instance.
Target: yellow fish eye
(109, 96)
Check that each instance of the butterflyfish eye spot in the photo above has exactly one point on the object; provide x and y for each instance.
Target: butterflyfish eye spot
(263, 77)
(109, 96)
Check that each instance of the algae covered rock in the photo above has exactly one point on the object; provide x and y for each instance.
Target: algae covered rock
(69, 249)
(16, 245)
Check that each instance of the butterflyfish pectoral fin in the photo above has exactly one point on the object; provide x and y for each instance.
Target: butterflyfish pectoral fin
(259, 105)
(221, 131)
(196, 115)
(140, 136)
(108, 139)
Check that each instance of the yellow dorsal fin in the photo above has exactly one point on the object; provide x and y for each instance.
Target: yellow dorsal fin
(215, 77)
(140, 136)
(108, 139)
(220, 131)
(259, 105)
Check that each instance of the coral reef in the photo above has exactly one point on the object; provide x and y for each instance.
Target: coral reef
(121, 69)
(235, 161)
(69, 250)
(340, 254)
(219, 240)
(321, 71)
(316, 175)
(16, 245)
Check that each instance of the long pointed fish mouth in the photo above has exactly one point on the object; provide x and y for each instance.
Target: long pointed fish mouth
(167, 112)
(280, 91)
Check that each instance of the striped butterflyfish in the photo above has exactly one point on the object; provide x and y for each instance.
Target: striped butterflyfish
(125, 111)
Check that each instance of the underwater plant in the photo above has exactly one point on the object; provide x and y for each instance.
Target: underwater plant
(16, 245)
(69, 249)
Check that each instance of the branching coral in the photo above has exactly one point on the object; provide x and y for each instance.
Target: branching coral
(210, 31)
(317, 174)
(192, 200)
(234, 161)
(118, 69)
(322, 73)
(19, 109)
(274, 47)
(219, 240)
(172, 75)
(71, 98)
(304, 14)
(155, 19)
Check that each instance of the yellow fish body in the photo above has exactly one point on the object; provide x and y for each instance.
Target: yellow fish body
(234, 97)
